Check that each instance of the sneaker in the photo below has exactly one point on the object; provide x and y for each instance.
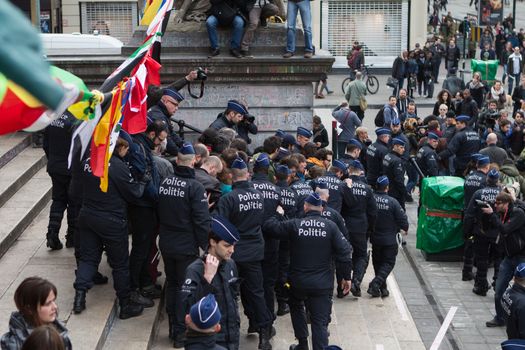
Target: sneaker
(330, 92)
(215, 52)
(308, 54)
(288, 54)
(245, 53)
(236, 53)
(137, 298)
(494, 323)
(319, 96)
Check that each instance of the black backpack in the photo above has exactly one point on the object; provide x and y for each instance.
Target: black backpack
(379, 120)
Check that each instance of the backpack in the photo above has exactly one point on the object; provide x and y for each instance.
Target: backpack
(507, 180)
(379, 120)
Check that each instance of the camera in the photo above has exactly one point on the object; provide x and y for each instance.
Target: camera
(249, 118)
(201, 74)
(482, 204)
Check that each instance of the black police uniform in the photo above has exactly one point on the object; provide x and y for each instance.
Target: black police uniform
(426, 159)
(374, 159)
(270, 268)
(102, 224)
(159, 112)
(57, 141)
(244, 208)
(184, 224)
(383, 238)
(335, 189)
(485, 234)
(359, 212)
(222, 122)
(201, 341)
(225, 287)
(474, 181)
(314, 243)
(303, 190)
(513, 303)
(334, 216)
(463, 144)
(394, 169)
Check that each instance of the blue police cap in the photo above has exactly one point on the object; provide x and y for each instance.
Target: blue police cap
(433, 136)
(513, 344)
(283, 169)
(483, 160)
(173, 93)
(288, 140)
(205, 313)
(333, 347)
(283, 152)
(395, 121)
(355, 143)
(493, 174)
(314, 199)
(356, 165)
(262, 161)
(463, 118)
(304, 132)
(237, 107)
(475, 156)
(383, 131)
(520, 271)
(321, 185)
(398, 141)
(339, 165)
(224, 229)
(186, 148)
(280, 133)
(238, 163)
(382, 181)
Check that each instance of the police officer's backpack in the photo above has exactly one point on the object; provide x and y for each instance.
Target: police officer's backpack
(379, 120)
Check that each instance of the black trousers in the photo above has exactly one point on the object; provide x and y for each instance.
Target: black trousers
(383, 260)
(98, 232)
(270, 270)
(59, 203)
(357, 110)
(468, 256)
(281, 289)
(485, 250)
(143, 226)
(359, 256)
(252, 293)
(319, 305)
(175, 268)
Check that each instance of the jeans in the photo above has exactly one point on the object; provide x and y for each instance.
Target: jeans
(238, 29)
(512, 78)
(413, 177)
(506, 272)
(306, 17)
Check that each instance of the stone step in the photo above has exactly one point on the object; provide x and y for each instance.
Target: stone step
(11, 145)
(19, 170)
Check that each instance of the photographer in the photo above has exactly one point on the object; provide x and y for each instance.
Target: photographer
(155, 92)
(246, 126)
(487, 118)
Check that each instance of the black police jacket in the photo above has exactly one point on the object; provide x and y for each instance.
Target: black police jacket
(222, 122)
(122, 189)
(335, 189)
(211, 185)
(288, 199)
(427, 160)
(272, 199)
(474, 181)
(244, 208)
(394, 169)
(374, 160)
(184, 218)
(314, 243)
(463, 144)
(201, 341)
(392, 220)
(159, 112)
(474, 221)
(303, 190)
(513, 302)
(143, 166)
(334, 216)
(359, 207)
(57, 141)
(225, 288)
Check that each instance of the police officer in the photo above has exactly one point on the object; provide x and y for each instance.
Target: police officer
(314, 243)
(303, 137)
(375, 154)
(426, 157)
(463, 144)
(360, 212)
(184, 224)
(299, 185)
(384, 238)
(394, 169)
(234, 113)
(216, 273)
(272, 198)
(513, 302)
(163, 111)
(244, 208)
(102, 224)
(202, 323)
(474, 181)
(57, 141)
(335, 185)
(353, 151)
(323, 190)
(485, 233)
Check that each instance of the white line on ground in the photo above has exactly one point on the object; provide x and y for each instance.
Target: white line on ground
(444, 327)
(394, 289)
(380, 347)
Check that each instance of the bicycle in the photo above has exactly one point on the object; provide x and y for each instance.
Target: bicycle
(371, 81)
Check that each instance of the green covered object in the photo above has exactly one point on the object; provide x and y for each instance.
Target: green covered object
(440, 226)
(487, 69)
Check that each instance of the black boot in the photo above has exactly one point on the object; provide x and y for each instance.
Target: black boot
(282, 308)
(100, 279)
(179, 340)
(79, 304)
(264, 338)
(384, 291)
(137, 298)
(129, 309)
(480, 287)
(356, 289)
(53, 241)
(303, 345)
(467, 275)
(70, 239)
(373, 289)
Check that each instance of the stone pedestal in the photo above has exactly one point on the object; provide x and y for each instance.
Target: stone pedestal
(278, 91)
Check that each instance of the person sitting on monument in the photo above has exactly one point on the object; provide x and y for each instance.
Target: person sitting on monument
(228, 13)
(261, 11)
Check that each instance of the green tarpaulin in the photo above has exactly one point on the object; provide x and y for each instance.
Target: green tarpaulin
(439, 223)
(487, 69)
